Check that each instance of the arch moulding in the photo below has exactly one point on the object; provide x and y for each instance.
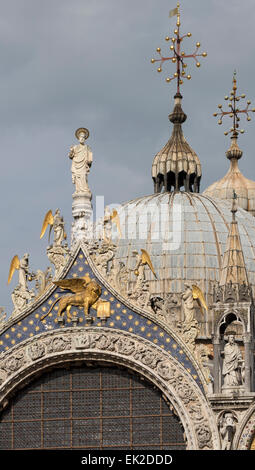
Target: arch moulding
(245, 436)
(56, 348)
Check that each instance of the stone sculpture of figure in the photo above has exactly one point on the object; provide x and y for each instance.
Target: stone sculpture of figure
(81, 156)
(139, 270)
(20, 298)
(118, 276)
(227, 428)
(189, 328)
(107, 225)
(104, 255)
(58, 229)
(142, 260)
(188, 304)
(232, 363)
(55, 222)
(24, 272)
(42, 278)
(21, 294)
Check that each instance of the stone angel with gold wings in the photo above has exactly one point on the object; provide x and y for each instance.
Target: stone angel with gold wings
(55, 222)
(22, 266)
(190, 294)
(142, 260)
(116, 220)
(199, 296)
(110, 219)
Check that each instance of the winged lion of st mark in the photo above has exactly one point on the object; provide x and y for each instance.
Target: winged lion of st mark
(85, 293)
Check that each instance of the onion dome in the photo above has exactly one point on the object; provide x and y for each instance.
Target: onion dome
(176, 165)
(234, 181)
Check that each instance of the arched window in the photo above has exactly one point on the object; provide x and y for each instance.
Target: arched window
(94, 407)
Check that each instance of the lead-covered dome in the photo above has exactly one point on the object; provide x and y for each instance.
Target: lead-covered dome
(185, 235)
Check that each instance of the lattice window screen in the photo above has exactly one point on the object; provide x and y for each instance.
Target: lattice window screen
(93, 408)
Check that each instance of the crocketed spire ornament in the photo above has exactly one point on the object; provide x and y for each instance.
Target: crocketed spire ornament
(176, 165)
(234, 110)
(178, 56)
(234, 180)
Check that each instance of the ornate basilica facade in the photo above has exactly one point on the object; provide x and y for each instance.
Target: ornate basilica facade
(143, 335)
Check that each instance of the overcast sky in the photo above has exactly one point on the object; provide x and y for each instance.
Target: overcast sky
(72, 63)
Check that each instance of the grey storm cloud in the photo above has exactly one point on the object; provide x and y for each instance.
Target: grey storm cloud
(72, 63)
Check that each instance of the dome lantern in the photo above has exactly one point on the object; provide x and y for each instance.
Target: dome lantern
(177, 166)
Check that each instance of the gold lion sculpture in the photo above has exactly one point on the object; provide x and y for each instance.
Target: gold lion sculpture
(85, 294)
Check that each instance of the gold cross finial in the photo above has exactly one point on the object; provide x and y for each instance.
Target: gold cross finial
(178, 56)
(234, 110)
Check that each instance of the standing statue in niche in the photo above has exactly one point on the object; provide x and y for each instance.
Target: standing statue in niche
(81, 156)
(233, 363)
(227, 428)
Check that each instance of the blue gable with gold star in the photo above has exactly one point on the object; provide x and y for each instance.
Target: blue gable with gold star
(122, 317)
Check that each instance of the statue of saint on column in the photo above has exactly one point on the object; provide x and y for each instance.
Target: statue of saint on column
(81, 156)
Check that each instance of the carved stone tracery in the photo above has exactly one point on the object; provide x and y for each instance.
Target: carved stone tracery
(54, 348)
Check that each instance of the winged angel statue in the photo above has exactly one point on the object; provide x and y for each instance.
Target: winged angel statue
(21, 294)
(22, 266)
(143, 259)
(56, 222)
(189, 328)
(57, 251)
(140, 292)
(110, 220)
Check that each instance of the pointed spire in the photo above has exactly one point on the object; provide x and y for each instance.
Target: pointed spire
(234, 280)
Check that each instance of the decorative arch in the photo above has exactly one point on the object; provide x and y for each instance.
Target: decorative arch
(20, 365)
(228, 317)
(245, 436)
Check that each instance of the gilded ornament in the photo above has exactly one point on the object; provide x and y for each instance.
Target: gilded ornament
(86, 293)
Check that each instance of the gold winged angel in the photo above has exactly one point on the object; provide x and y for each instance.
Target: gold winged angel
(56, 222)
(199, 296)
(116, 220)
(143, 259)
(110, 219)
(22, 266)
(192, 293)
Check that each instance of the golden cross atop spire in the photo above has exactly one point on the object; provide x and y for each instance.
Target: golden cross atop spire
(178, 56)
(234, 111)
